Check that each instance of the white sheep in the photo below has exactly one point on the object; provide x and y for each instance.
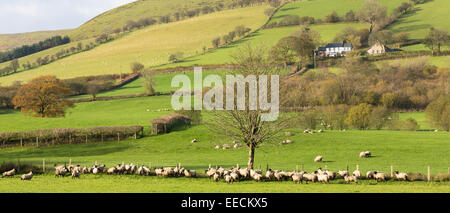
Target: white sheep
(75, 174)
(342, 173)
(331, 175)
(235, 146)
(226, 146)
(194, 141)
(322, 178)
(235, 176)
(269, 175)
(401, 176)
(380, 176)
(216, 177)
(297, 178)
(210, 172)
(370, 175)
(357, 173)
(9, 173)
(349, 179)
(228, 179)
(289, 141)
(60, 171)
(310, 177)
(257, 177)
(188, 173)
(111, 171)
(217, 147)
(278, 175)
(321, 131)
(244, 173)
(27, 176)
(318, 159)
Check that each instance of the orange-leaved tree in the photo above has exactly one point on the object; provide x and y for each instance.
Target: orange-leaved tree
(43, 97)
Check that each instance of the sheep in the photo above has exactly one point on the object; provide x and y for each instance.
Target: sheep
(146, 170)
(101, 168)
(349, 179)
(321, 131)
(342, 173)
(278, 176)
(401, 176)
(194, 141)
(257, 177)
(132, 168)
(244, 173)
(254, 172)
(60, 171)
(9, 173)
(226, 146)
(310, 177)
(27, 176)
(210, 172)
(217, 147)
(226, 172)
(228, 179)
(235, 142)
(365, 154)
(306, 131)
(73, 168)
(216, 177)
(75, 174)
(269, 175)
(380, 176)
(368, 154)
(288, 141)
(111, 171)
(95, 170)
(370, 175)
(320, 172)
(331, 175)
(357, 174)
(235, 146)
(235, 176)
(297, 178)
(318, 159)
(322, 178)
(85, 170)
(188, 173)
(221, 170)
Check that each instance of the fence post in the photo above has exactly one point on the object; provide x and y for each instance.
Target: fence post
(37, 141)
(357, 167)
(135, 136)
(86, 138)
(21, 142)
(267, 168)
(118, 136)
(429, 174)
(43, 165)
(70, 161)
(449, 170)
(392, 171)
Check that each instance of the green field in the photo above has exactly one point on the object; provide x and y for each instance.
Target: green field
(439, 61)
(150, 46)
(424, 16)
(118, 17)
(321, 8)
(136, 184)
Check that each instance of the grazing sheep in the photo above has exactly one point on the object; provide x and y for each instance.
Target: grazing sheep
(349, 179)
(217, 147)
(320, 172)
(210, 172)
(27, 176)
(370, 175)
(216, 177)
(226, 146)
(357, 174)
(331, 175)
(343, 173)
(228, 179)
(380, 176)
(235, 176)
(159, 171)
(318, 159)
(60, 171)
(133, 168)
(257, 177)
(244, 173)
(188, 173)
(401, 176)
(85, 170)
(310, 177)
(95, 170)
(278, 175)
(236, 146)
(75, 174)
(283, 142)
(368, 154)
(9, 173)
(321, 131)
(146, 170)
(235, 142)
(297, 178)
(194, 141)
(220, 170)
(101, 168)
(254, 172)
(288, 141)
(323, 178)
(111, 171)
(269, 175)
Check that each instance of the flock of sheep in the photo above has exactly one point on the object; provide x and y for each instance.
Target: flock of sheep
(324, 176)
(230, 175)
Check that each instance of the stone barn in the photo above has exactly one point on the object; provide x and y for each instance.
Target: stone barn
(165, 123)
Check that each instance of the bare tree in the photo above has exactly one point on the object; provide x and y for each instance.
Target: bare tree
(246, 125)
(372, 12)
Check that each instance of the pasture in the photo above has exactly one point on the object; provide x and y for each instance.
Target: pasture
(10, 41)
(139, 184)
(424, 16)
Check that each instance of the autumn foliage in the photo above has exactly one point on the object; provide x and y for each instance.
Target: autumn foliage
(43, 97)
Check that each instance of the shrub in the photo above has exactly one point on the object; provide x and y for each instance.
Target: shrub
(438, 112)
(359, 116)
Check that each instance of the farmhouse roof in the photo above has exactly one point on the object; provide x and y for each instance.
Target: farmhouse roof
(331, 45)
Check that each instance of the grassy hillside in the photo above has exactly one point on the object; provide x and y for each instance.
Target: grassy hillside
(266, 37)
(117, 18)
(150, 46)
(321, 8)
(10, 41)
(418, 22)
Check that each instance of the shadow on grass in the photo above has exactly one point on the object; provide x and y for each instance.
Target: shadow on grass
(74, 150)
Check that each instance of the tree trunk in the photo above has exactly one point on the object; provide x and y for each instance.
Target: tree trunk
(251, 157)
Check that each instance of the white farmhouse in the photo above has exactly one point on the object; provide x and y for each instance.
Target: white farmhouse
(335, 49)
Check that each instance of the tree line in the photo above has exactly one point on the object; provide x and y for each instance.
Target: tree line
(34, 48)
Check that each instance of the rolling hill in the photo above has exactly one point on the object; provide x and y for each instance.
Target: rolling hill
(150, 46)
(10, 41)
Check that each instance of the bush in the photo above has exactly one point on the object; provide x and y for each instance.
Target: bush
(438, 112)
(359, 116)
